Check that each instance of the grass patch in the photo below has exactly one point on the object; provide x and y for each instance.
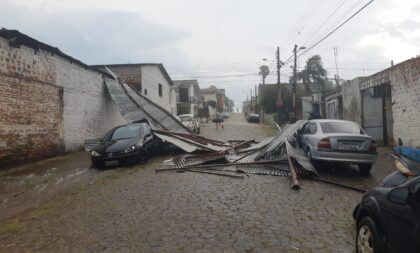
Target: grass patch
(10, 227)
(270, 128)
(45, 210)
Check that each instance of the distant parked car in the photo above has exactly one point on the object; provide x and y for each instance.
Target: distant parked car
(253, 117)
(388, 219)
(325, 140)
(217, 118)
(189, 121)
(226, 115)
(125, 144)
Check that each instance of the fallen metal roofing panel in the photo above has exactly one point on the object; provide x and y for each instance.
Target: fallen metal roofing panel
(189, 148)
(278, 142)
(305, 167)
(134, 106)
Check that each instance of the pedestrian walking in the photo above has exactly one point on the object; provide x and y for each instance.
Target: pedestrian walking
(218, 121)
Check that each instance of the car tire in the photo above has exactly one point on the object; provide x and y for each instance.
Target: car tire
(364, 168)
(367, 237)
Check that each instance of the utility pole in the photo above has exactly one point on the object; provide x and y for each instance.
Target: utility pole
(337, 78)
(256, 99)
(250, 104)
(278, 66)
(294, 79)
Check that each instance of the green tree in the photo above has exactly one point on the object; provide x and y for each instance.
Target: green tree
(313, 72)
(264, 72)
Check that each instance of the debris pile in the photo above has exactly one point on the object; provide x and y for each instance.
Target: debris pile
(278, 156)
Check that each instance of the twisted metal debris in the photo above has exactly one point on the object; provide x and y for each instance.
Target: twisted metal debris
(274, 156)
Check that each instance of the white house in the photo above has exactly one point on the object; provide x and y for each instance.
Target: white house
(150, 79)
(188, 98)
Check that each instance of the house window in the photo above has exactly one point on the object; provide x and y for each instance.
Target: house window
(145, 92)
(183, 95)
(160, 90)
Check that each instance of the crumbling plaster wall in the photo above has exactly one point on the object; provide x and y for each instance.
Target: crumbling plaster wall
(352, 100)
(405, 85)
(49, 104)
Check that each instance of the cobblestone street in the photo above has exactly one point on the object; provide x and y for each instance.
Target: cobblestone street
(134, 209)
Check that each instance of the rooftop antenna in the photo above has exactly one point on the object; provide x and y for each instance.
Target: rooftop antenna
(337, 77)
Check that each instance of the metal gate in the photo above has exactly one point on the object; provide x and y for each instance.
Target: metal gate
(374, 115)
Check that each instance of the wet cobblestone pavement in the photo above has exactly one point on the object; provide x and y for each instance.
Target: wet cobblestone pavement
(134, 209)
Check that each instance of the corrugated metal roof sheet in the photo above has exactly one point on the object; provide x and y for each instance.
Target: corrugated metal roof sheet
(134, 106)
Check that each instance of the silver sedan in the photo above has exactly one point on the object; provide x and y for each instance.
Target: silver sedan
(339, 141)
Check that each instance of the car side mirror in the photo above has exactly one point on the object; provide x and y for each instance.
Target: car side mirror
(399, 195)
(400, 143)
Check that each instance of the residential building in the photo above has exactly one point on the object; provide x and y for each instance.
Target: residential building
(50, 102)
(149, 79)
(386, 104)
(210, 96)
(188, 96)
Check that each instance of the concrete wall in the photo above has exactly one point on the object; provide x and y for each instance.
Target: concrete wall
(405, 85)
(352, 108)
(88, 110)
(49, 104)
(151, 77)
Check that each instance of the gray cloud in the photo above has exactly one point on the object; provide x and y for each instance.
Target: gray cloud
(103, 36)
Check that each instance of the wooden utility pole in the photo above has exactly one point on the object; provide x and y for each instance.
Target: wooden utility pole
(294, 79)
(256, 100)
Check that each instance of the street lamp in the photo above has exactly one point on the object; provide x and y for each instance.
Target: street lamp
(295, 50)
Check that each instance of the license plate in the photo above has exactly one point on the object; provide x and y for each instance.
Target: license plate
(350, 146)
(111, 163)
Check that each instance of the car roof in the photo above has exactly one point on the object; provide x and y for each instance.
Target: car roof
(332, 120)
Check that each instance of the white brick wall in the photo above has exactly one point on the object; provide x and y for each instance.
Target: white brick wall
(88, 110)
(405, 85)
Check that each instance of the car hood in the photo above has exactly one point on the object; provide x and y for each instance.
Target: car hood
(116, 145)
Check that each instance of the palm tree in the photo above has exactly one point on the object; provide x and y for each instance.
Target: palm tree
(313, 72)
(264, 71)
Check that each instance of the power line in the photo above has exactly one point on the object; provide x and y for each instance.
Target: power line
(338, 27)
(325, 21)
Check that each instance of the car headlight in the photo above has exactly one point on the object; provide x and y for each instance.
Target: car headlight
(130, 149)
(94, 153)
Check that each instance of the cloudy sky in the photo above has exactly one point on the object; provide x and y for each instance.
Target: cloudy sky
(223, 42)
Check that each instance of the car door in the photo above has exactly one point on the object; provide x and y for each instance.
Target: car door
(402, 227)
(301, 136)
(308, 133)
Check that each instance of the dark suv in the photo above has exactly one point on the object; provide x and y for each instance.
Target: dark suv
(388, 219)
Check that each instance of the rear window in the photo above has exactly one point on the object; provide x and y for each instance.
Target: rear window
(185, 118)
(126, 132)
(340, 127)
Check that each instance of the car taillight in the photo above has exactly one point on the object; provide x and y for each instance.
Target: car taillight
(372, 147)
(324, 143)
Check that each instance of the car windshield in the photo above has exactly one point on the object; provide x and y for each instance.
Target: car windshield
(340, 127)
(126, 132)
(185, 118)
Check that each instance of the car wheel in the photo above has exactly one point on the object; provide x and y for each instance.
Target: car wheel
(364, 168)
(367, 238)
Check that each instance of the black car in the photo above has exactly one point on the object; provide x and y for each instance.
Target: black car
(253, 117)
(388, 219)
(125, 144)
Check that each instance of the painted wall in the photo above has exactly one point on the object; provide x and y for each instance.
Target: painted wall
(151, 77)
(352, 108)
(49, 104)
